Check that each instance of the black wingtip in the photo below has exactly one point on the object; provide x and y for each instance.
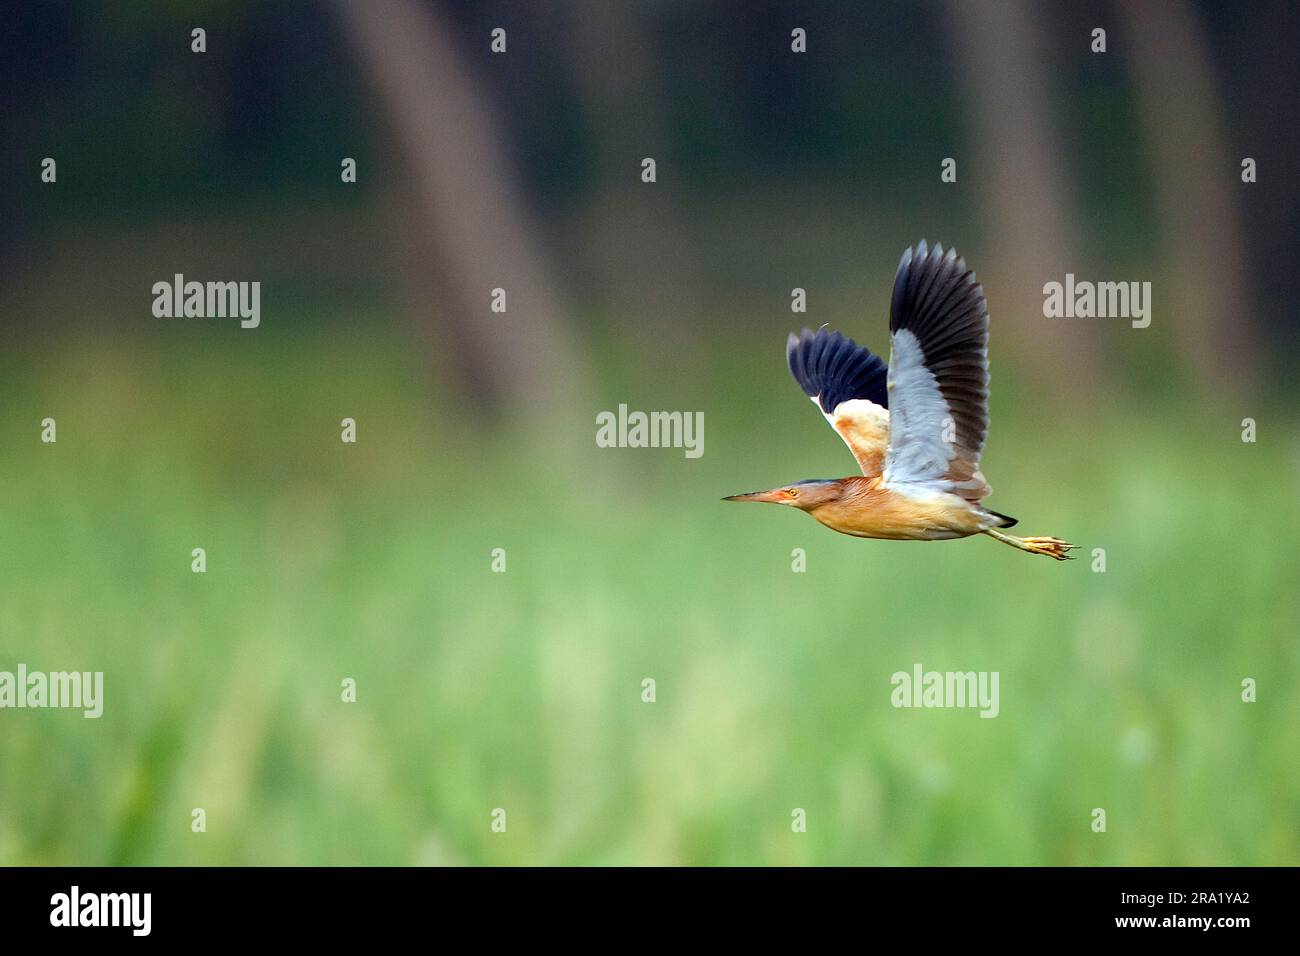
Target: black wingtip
(833, 368)
(922, 268)
(941, 303)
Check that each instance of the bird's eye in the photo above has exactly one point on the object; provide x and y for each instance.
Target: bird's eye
(792, 492)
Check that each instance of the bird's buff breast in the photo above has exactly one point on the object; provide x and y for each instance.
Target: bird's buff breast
(876, 511)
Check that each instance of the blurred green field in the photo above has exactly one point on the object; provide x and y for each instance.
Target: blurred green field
(522, 690)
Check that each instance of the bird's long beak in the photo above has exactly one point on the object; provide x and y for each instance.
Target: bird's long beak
(772, 497)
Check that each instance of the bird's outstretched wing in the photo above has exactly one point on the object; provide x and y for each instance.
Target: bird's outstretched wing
(938, 375)
(848, 384)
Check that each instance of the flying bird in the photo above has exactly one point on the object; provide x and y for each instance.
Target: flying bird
(917, 426)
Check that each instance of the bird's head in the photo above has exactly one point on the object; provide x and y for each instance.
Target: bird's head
(805, 495)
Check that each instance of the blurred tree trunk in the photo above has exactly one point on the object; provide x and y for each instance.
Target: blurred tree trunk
(635, 229)
(467, 208)
(1000, 50)
(1194, 174)
(1265, 114)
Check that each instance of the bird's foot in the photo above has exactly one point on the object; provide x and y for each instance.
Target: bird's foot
(1052, 547)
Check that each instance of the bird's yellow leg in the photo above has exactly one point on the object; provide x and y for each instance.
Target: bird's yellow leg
(1052, 547)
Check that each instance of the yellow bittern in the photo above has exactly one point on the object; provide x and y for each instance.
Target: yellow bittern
(916, 427)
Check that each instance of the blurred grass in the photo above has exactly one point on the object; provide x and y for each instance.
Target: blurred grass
(522, 690)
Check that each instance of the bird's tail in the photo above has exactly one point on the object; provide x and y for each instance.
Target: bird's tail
(1007, 520)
